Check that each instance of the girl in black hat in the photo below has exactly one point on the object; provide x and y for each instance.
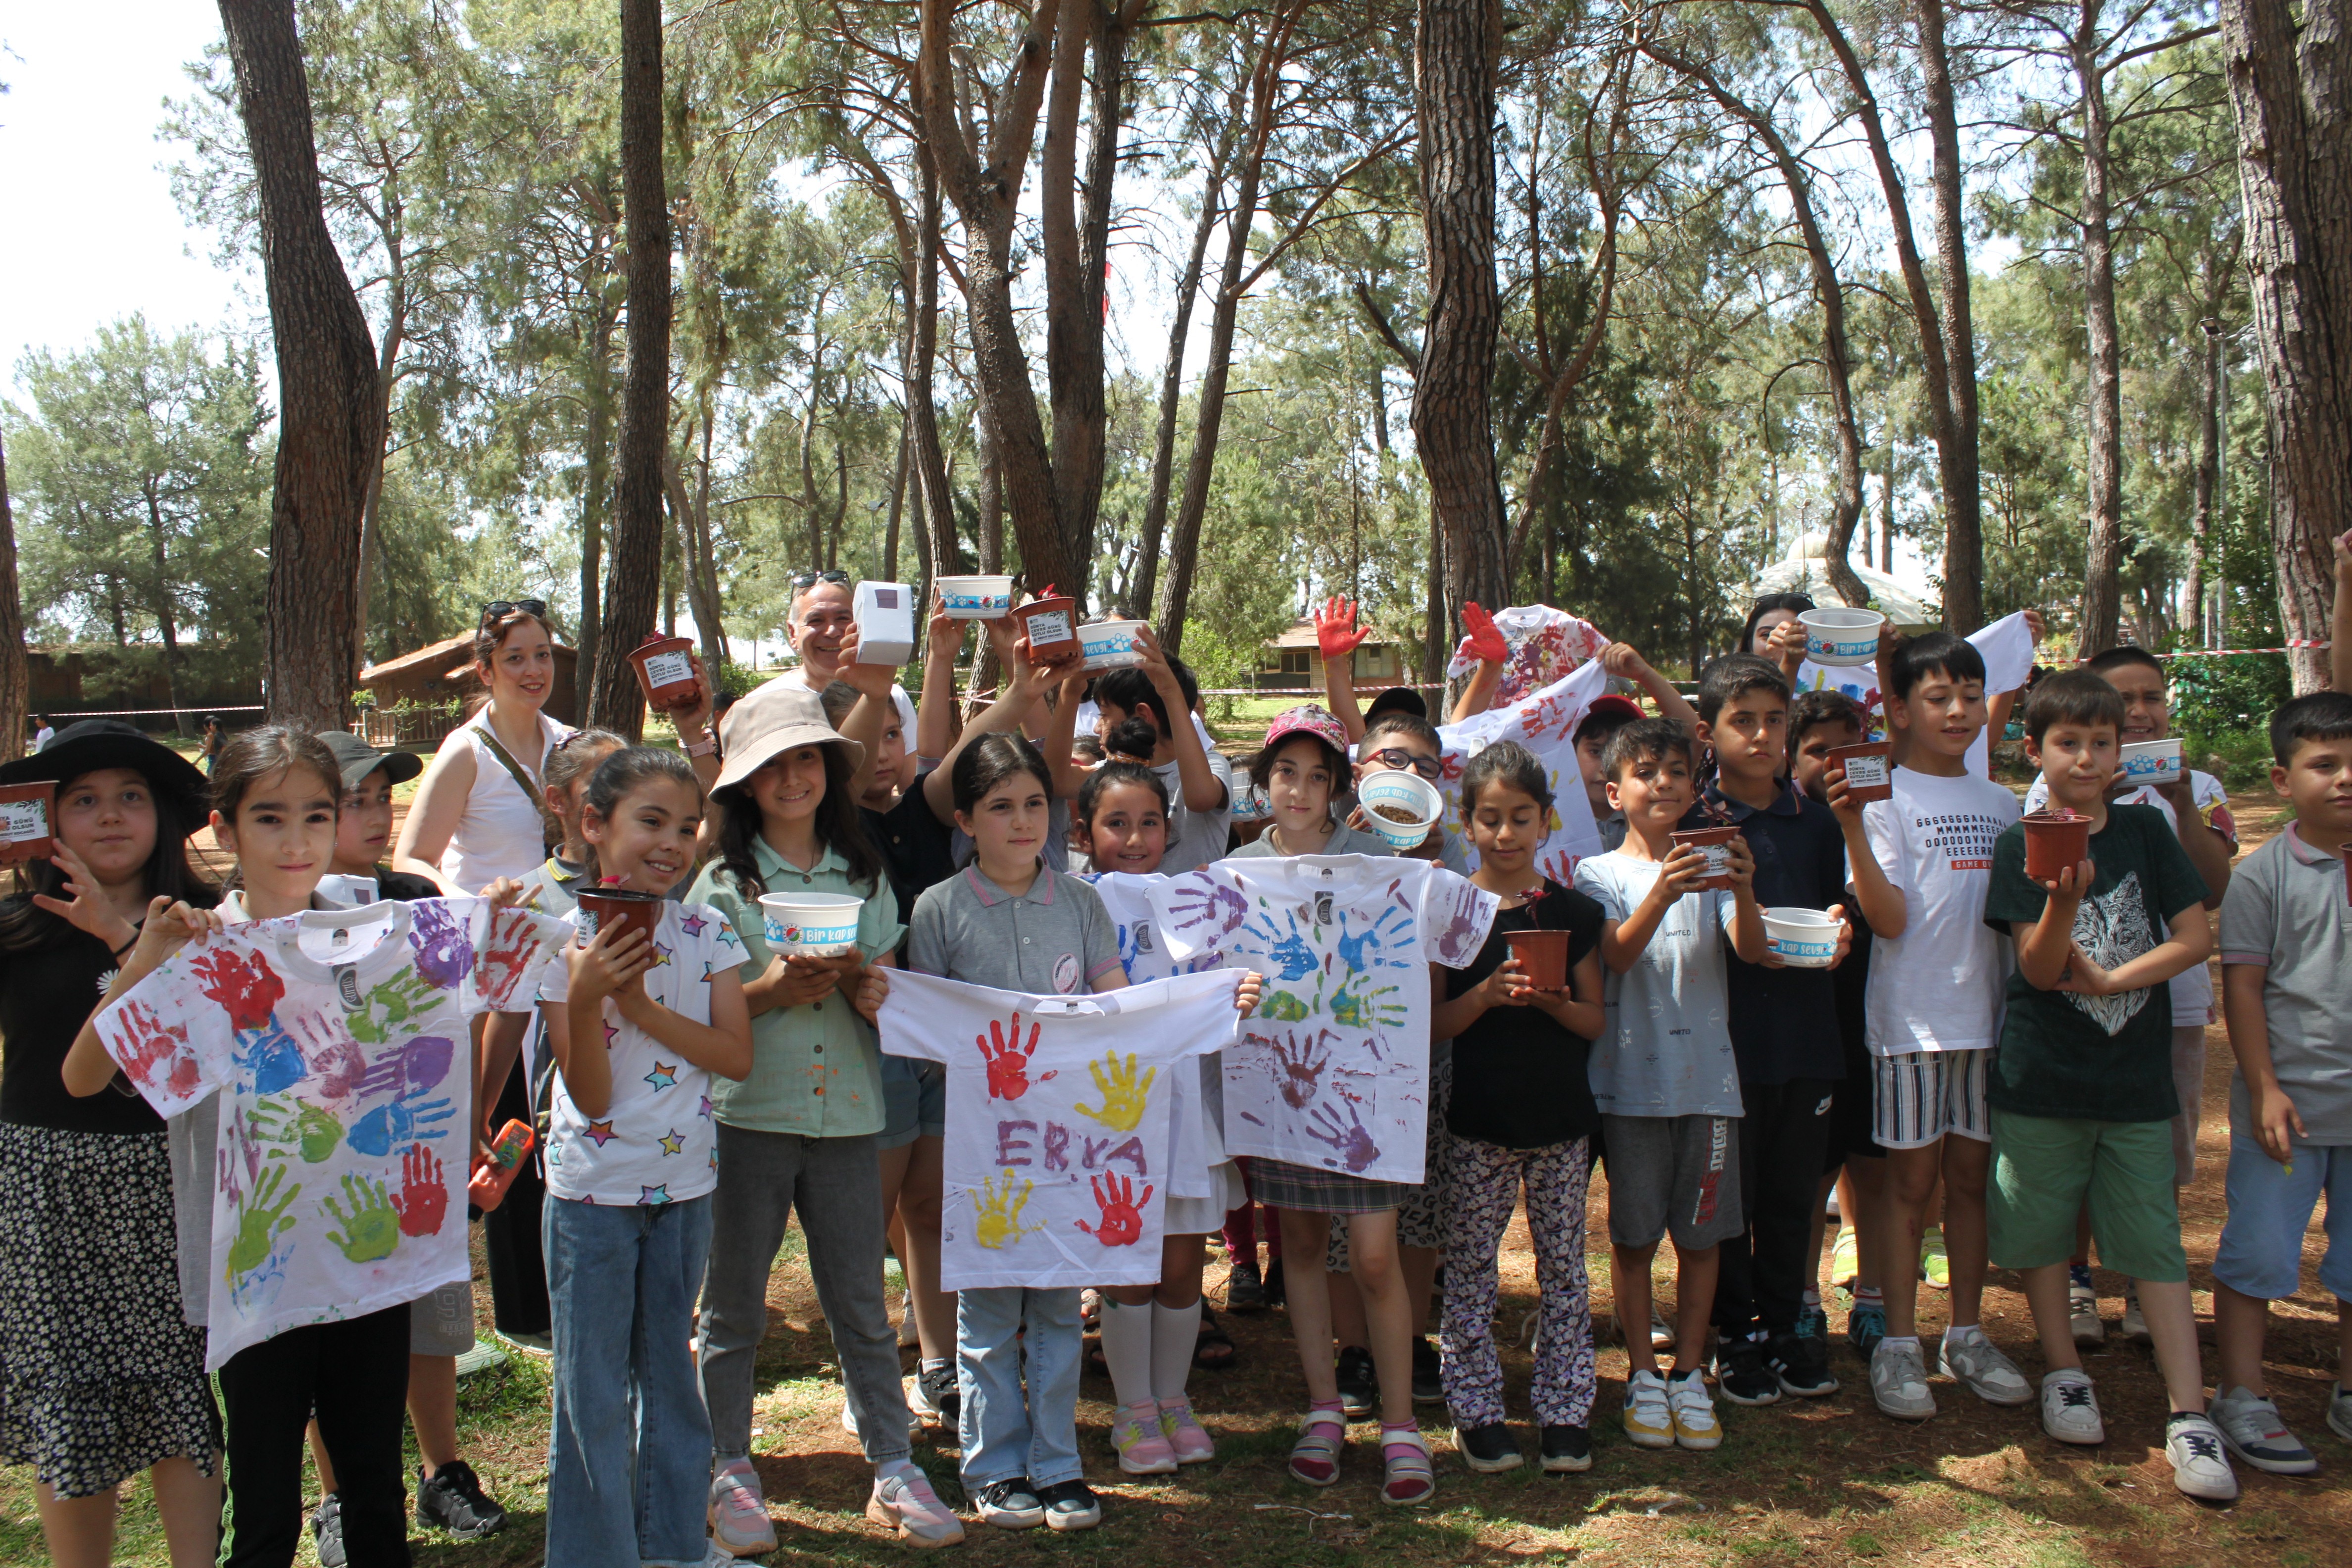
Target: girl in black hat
(100, 1375)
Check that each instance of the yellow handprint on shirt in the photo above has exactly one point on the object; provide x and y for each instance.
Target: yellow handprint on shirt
(1123, 1097)
(1000, 1212)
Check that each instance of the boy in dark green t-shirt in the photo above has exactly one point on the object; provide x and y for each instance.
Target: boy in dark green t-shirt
(2081, 1089)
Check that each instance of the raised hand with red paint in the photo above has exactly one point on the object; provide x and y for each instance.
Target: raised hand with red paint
(1008, 1059)
(1485, 640)
(1335, 631)
(423, 1195)
(1122, 1211)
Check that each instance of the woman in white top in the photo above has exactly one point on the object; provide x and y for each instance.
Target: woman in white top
(472, 821)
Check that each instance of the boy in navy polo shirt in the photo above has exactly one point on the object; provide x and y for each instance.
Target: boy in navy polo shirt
(1784, 1035)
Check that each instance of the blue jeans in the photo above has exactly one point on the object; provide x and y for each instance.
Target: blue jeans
(2261, 1254)
(628, 1450)
(1004, 1435)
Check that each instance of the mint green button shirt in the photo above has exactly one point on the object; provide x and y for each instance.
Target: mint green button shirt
(816, 1069)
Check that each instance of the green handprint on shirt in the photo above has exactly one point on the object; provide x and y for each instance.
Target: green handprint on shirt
(1366, 1011)
(372, 1229)
(1289, 1007)
(260, 1221)
(310, 1130)
(404, 998)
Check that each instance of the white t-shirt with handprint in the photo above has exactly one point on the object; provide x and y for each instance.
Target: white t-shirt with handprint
(1332, 1069)
(339, 1044)
(1199, 1096)
(1060, 1135)
(656, 1141)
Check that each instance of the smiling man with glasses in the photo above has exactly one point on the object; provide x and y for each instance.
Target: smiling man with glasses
(818, 621)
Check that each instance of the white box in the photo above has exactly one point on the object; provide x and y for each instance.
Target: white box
(886, 623)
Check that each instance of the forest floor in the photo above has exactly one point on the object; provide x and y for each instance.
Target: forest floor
(1826, 1481)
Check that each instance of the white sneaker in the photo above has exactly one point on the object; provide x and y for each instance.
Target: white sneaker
(1649, 1419)
(1976, 1362)
(1661, 1338)
(2251, 1428)
(2199, 1466)
(1694, 1412)
(1899, 1381)
(2134, 1326)
(2083, 1317)
(739, 1525)
(2070, 1410)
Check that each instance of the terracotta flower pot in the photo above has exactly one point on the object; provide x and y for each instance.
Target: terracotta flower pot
(1869, 770)
(1715, 843)
(666, 672)
(2054, 841)
(28, 819)
(1051, 625)
(1543, 955)
(617, 907)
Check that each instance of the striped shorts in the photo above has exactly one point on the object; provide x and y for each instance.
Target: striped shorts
(1918, 1097)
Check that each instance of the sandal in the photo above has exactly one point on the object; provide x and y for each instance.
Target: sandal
(1408, 1478)
(1315, 1457)
(1214, 1350)
(1090, 1303)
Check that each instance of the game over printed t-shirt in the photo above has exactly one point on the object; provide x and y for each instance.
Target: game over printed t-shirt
(655, 1143)
(1937, 986)
(339, 1043)
(1059, 1134)
(1332, 1069)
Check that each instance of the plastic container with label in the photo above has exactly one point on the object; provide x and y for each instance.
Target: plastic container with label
(814, 925)
(1714, 843)
(1394, 790)
(1110, 645)
(1051, 625)
(665, 669)
(982, 598)
(1801, 938)
(617, 906)
(28, 817)
(886, 623)
(2156, 762)
(1837, 635)
(1869, 770)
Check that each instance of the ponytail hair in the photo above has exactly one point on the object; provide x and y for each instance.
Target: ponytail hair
(622, 774)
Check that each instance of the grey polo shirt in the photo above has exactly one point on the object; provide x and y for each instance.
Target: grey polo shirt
(1195, 837)
(2287, 911)
(1345, 840)
(1056, 939)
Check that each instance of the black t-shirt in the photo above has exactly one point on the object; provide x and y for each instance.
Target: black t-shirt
(916, 847)
(401, 888)
(1520, 1079)
(1784, 1022)
(46, 995)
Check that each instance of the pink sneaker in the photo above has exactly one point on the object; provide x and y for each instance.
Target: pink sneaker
(1134, 1433)
(905, 1501)
(739, 1516)
(1190, 1441)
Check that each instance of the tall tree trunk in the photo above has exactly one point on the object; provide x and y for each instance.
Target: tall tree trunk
(2102, 565)
(898, 507)
(1074, 323)
(1437, 642)
(167, 623)
(2209, 469)
(329, 434)
(1171, 379)
(1886, 510)
(930, 459)
(388, 377)
(1456, 46)
(633, 588)
(2288, 93)
(1963, 500)
(16, 666)
(595, 486)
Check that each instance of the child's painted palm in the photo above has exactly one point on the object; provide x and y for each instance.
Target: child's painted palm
(295, 1126)
(1348, 1136)
(1123, 1095)
(1008, 1059)
(1122, 1211)
(261, 1219)
(1289, 956)
(404, 999)
(444, 951)
(424, 1196)
(269, 1059)
(371, 1229)
(1299, 1066)
(388, 1126)
(1208, 911)
(243, 984)
(1361, 951)
(1362, 1008)
(998, 1212)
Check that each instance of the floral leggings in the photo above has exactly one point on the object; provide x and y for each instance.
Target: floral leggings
(1485, 1188)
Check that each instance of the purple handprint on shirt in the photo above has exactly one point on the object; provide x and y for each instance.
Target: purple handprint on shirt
(444, 951)
(1468, 912)
(1213, 913)
(415, 1067)
(1355, 1145)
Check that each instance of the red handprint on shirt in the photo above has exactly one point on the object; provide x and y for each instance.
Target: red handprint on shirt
(423, 1195)
(1007, 1058)
(517, 945)
(153, 1054)
(1122, 1211)
(243, 983)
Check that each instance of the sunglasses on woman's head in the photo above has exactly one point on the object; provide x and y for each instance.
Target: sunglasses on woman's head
(498, 607)
(1399, 760)
(810, 579)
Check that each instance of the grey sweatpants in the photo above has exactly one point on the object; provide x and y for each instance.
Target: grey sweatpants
(837, 1185)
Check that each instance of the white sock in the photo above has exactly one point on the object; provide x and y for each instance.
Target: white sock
(1175, 1330)
(1907, 1342)
(1127, 1349)
(1813, 1298)
(1965, 1333)
(932, 1363)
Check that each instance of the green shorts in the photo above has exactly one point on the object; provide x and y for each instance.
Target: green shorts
(2042, 1169)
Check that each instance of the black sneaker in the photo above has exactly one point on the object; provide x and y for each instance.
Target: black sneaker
(452, 1497)
(1274, 1291)
(1010, 1504)
(1070, 1505)
(1802, 1365)
(1428, 1374)
(936, 1387)
(1566, 1449)
(327, 1532)
(1740, 1373)
(1488, 1449)
(1244, 1288)
(1360, 1382)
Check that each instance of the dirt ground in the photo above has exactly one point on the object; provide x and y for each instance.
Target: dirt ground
(1826, 1481)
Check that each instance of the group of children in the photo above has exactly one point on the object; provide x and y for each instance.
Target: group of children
(1389, 1049)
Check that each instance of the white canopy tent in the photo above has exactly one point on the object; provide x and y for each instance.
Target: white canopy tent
(1805, 570)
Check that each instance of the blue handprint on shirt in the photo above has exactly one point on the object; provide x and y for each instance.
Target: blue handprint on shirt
(270, 1058)
(1365, 949)
(1290, 956)
(386, 1128)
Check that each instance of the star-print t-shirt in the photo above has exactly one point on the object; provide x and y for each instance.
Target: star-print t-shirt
(655, 1143)
(1332, 1069)
(1199, 1096)
(339, 1044)
(1059, 1130)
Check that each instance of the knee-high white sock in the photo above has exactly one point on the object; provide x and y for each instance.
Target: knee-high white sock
(1174, 1332)
(1127, 1349)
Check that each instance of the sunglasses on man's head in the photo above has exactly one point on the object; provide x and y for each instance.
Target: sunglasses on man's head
(498, 607)
(1399, 759)
(810, 579)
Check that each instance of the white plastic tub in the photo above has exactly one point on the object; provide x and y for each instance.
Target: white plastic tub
(2152, 761)
(1110, 645)
(1841, 637)
(975, 598)
(813, 924)
(1804, 939)
(1404, 791)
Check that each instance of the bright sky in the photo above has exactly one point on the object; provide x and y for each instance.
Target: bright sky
(82, 178)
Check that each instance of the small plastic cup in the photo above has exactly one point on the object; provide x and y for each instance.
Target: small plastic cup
(1869, 770)
(982, 598)
(2151, 763)
(1051, 625)
(811, 924)
(2054, 841)
(624, 907)
(1543, 957)
(665, 669)
(1841, 637)
(1110, 645)
(1714, 843)
(1399, 808)
(27, 818)
(1801, 938)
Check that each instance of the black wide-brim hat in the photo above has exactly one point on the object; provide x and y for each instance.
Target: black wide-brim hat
(96, 744)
